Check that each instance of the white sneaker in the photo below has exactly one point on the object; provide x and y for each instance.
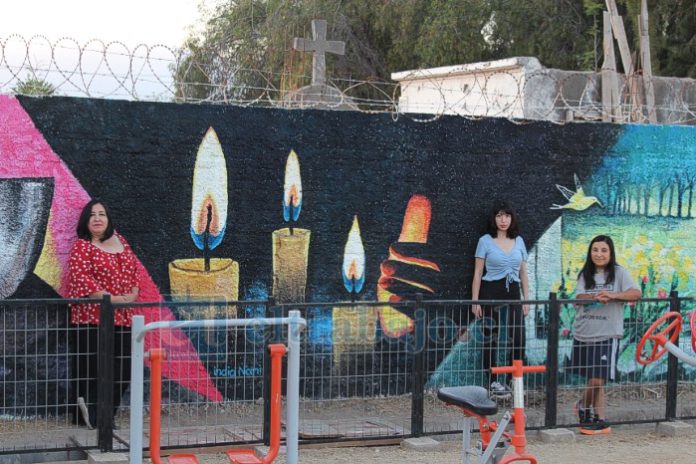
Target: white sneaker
(498, 390)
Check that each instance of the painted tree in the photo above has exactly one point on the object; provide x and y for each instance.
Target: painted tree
(649, 166)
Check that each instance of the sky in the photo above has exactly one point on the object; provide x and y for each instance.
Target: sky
(131, 22)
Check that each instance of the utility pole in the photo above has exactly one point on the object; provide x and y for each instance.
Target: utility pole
(611, 107)
(635, 112)
(645, 61)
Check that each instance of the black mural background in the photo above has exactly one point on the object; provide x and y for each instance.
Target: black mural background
(139, 158)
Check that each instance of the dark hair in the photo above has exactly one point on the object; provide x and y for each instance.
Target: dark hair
(513, 231)
(82, 223)
(589, 270)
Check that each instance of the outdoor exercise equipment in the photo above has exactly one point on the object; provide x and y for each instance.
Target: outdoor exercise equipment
(295, 325)
(495, 441)
(663, 339)
(156, 356)
(237, 456)
(247, 456)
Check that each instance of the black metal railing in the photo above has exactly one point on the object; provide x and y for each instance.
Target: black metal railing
(381, 384)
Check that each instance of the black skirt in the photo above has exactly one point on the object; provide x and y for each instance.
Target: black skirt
(514, 335)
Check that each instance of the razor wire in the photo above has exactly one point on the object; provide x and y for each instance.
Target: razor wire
(113, 70)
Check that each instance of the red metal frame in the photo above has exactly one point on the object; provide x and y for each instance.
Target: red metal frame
(237, 456)
(659, 339)
(518, 439)
(246, 456)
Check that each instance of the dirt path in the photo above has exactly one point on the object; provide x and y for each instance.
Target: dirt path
(634, 444)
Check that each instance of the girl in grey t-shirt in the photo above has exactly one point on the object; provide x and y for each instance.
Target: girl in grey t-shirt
(598, 327)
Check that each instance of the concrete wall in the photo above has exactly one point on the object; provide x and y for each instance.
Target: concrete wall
(148, 160)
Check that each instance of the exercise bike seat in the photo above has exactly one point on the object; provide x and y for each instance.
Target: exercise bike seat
(473, 398)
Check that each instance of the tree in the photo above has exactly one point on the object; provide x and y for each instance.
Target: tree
(246, 51)
(246, 48)
(34, 86)
(561, 33)
(672, 34)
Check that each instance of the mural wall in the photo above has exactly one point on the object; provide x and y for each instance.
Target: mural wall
(325, 206)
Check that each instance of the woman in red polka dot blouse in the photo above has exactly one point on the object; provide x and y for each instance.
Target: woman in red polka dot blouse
(101, 263)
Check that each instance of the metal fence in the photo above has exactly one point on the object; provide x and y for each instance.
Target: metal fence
(154, 72)
(356, 382)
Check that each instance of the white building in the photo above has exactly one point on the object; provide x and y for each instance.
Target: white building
(521, 88)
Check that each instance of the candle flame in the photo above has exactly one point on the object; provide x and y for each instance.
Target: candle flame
(292, 190)
(209, 192)
(354, 260)
(416, 220)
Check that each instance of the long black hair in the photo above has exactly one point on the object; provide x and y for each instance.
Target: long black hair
(589, 270)
(82, 223)
(503, 206)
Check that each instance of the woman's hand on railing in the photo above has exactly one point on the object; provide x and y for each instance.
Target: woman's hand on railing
(478, 312)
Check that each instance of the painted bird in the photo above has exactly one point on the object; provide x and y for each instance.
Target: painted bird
(577, 200)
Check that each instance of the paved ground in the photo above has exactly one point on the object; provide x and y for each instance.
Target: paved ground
(635, 444)
(356, 418)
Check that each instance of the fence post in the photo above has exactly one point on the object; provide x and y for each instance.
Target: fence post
(278, 329)
(550, 418)
(105, 377)
(137, 387)
(672, 366)
(267, 375)
(419, 367)
(293, 392)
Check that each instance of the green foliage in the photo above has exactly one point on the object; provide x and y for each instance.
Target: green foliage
(672, 29)
(34, 86)
(246, 46)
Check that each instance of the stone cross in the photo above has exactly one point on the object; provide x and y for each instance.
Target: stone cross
(320, 46)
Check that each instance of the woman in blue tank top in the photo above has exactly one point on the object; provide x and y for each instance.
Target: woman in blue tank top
(500, 271)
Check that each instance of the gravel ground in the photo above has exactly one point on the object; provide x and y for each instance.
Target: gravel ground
(625, 445)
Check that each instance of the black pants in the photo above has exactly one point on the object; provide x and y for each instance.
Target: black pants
(86, 370)
(514, 337)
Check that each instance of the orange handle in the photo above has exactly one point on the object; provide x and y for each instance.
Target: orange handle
(277, 352)
(517, 369)
(538, 369)
(659, 338)
(156, 357)
(518, 439)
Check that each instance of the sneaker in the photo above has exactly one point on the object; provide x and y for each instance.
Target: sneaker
(597, 427)
(499, 390)
(584, 414)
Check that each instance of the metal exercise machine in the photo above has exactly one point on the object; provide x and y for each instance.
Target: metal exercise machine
(295, 325)
(495, 441)
(662, 339)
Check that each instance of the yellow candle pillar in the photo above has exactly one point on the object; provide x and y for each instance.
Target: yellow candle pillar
(290, 256)
(188, 279)
(353, 332)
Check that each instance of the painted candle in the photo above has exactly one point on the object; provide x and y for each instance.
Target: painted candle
(353, 326)
(291, 244)
(215, 278)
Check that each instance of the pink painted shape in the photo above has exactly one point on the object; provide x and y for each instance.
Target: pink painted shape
(25, 153)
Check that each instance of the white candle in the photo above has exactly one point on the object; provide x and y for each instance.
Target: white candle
(290, 244)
